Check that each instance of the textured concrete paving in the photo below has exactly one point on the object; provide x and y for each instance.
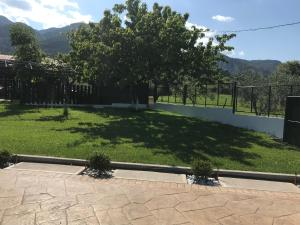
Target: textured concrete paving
(44, 198)
(150, 176)
(48, 167)
(259, 185)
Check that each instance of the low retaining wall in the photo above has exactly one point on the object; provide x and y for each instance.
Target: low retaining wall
(113, 105)
(163, 168)
(270, 125)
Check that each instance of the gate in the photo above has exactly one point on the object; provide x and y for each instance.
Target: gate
(291, 133)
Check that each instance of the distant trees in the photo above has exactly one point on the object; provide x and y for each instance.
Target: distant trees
(283, 82)
(27, 51)
(287, 73)
(24, 41)
(133, 45)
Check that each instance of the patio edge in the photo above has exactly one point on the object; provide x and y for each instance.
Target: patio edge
(163, 168)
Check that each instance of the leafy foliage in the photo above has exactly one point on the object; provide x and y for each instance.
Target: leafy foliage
(147, 46)
(5, 158)
(286, 75)
(25, 42)
(100, 163)
(201, 169)
(54, 41)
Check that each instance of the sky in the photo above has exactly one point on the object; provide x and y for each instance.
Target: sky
(217, 15)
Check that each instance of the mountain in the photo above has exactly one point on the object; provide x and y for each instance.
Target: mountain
(4, 35)
(54, 40)
(238, 66)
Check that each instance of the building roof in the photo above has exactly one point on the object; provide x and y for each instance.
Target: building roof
(6, 57)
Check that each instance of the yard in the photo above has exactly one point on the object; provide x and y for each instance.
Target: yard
(145, 136)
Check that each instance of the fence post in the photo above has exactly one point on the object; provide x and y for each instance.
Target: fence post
(184, 96)
(5, 87)
(195, 101)
(269, 103)
(252, 89)
(234, 92)
(291, 91)
(205, 94)
(218, 93)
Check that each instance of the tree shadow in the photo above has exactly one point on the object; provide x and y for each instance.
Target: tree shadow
(12, 109)
(181, 136)
(58, 118)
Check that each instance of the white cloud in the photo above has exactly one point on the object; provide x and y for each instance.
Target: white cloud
(208, 33)
(54, 13)
(233, 53)
(241, 53)
(223, 18)
(229, 53)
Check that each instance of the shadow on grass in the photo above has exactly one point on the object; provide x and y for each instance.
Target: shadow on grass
(12, 109)
(181, 136)
(58, 118)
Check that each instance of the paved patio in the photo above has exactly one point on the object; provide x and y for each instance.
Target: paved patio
(44, 198)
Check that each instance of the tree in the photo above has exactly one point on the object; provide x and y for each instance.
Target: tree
(285, 81)
(27, 52)
(148, 46)
(26, 45)
(287, 73)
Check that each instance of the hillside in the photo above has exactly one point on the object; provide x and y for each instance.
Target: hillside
(238, 66)
(54, 40)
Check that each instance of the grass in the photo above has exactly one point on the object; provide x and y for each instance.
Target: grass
(225, 101)
(145, 136)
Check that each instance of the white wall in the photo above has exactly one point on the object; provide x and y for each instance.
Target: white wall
(270, 125)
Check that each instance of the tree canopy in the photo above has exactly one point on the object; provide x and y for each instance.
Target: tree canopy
(25, 42)
(132, 45)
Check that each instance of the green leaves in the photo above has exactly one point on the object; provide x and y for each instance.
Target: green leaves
(146, 46)
(26, 45)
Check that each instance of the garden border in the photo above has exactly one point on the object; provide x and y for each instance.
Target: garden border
(291, 178)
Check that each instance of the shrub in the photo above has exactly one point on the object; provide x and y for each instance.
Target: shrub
(5, 158)
(201, 169)
(100, 163)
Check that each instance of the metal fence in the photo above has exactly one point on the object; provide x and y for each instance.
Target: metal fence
(268, 100)
(208, 95)
(292, 121)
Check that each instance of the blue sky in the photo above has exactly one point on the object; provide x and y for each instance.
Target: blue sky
(218, 15)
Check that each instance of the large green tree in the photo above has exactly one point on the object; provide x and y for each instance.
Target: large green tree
(145, 46)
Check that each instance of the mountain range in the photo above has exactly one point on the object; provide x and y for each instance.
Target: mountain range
(54, 41)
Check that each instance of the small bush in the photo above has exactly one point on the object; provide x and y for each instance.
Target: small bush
(5, 159)
(100, 163)
(201, 169)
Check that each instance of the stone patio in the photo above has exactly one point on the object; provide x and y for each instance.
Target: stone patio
(44, 198)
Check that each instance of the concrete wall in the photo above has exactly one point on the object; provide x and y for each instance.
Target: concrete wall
(269, 125)
(113, 105)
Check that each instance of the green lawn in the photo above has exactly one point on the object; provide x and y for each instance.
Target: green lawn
(144, 136)
(224, 100)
